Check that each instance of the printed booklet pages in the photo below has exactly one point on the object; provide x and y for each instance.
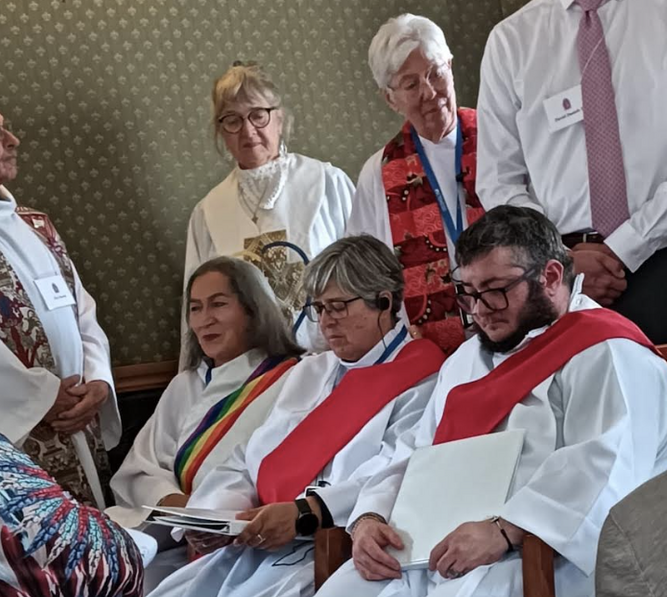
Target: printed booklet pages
(219, 522)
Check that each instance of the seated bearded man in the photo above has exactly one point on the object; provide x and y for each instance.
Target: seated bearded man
(582, 381)
(334, 424)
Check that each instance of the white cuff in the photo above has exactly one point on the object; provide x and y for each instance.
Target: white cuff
(630, 247)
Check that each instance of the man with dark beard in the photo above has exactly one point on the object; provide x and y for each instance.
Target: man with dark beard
(583, 382)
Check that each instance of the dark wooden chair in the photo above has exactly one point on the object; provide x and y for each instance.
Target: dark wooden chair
(334, 546)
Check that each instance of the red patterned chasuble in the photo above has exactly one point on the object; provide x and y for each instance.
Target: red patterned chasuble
(22, 332)
(419, 235)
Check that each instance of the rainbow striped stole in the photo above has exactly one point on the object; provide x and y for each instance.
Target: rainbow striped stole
(221, 417)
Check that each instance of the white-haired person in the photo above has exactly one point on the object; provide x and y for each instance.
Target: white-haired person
(271, 195)
(240, 352)
(335, 423)
(417, 193)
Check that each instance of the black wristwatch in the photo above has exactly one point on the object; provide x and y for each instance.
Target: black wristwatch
(307, 521)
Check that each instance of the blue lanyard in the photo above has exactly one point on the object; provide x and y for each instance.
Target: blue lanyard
(454, 231)
(393, 345)
(209, 375)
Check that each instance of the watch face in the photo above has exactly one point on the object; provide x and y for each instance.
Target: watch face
(307, 524)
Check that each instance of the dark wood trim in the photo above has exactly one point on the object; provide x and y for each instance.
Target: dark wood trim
(662, 349)
(146, 376)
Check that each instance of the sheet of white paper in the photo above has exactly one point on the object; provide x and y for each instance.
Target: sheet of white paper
(449, 484)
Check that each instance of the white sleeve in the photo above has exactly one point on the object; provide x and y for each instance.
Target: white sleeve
(228, 486)
(644, 233)
(97, 362)
(613, 429)
(147, 473)
(407, 411)
(26, 395)
(502, 174)
(339, 191)
(369, 212)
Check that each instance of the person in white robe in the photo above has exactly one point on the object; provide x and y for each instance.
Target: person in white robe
(596, 427)
(57, 393)
(271, 195)
(238, 333)
(417, 193)
(334, 424)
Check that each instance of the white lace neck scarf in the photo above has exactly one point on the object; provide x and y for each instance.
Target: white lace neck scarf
(259, 188)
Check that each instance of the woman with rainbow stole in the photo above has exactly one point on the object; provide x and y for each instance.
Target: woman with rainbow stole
(240, 352)
(336, 422)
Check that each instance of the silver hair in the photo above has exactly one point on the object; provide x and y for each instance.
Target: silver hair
(397, 38)
(269, 328)
(359, 265)
(247, 82)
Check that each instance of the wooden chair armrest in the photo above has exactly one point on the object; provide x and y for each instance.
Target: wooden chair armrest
(333, 547)
(538, 568)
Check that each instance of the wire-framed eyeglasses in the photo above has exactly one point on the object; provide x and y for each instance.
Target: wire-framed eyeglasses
(258, 117)
(494, 299)
(334, 309)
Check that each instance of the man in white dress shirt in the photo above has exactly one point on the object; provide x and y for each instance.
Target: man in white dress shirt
(572, 122)
(54, 357)
(584, 384)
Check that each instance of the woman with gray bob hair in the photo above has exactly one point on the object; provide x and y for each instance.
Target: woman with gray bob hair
(272, 197)
(359, 265)
(240, 353)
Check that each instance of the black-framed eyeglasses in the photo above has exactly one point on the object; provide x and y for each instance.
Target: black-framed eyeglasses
(258, 117)
(334, 309)
(494, 299)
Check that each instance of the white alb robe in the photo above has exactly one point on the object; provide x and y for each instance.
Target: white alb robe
(595, 430)
(312, 209)
(147, 473)
(78, 344)
(247, 572)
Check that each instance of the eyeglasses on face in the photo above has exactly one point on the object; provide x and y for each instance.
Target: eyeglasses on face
(494, 299)
(437, 77)
(259, 118)
(334, 309)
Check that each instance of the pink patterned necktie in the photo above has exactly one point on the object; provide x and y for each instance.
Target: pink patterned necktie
(606, 176)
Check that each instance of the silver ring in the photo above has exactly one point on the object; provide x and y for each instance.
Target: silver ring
(454, 574)
(260, 539)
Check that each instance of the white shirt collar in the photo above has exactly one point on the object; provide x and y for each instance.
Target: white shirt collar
(578, 301)
(248, 360)
(448, 140)
(376, 352)
(568, 3)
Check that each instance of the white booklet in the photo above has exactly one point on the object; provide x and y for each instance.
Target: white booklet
(219, 522)
(446, 485)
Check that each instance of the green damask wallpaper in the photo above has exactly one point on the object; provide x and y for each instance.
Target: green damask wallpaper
(110, 100)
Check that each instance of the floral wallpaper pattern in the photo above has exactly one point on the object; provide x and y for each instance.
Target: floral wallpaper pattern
(110, 99)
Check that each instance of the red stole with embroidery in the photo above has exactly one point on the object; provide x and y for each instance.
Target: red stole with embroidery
(419, 235)
(478, 407)
(360, 395)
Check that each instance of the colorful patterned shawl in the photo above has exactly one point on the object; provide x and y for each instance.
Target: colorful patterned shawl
(221, 417)
(419, 236)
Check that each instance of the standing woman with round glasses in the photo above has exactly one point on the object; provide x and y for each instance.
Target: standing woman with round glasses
(271, 196)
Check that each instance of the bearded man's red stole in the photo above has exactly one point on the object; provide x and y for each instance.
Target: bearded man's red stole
(478, 407)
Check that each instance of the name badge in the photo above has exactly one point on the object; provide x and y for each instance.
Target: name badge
(564, 109)
(55, 292)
